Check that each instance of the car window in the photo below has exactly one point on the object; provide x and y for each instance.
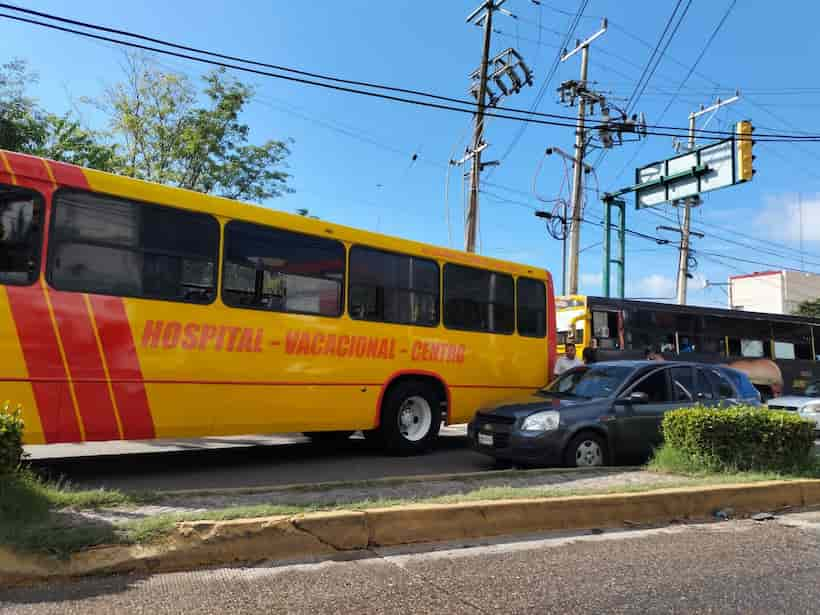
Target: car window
(703, 386)
(741, 383)
(655, 386)
(590, 382)
(683, 384)
(721, 385)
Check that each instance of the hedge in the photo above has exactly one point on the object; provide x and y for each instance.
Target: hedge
(740, 439)
(11, 439)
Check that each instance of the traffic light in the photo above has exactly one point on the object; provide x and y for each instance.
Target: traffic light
(745, 159)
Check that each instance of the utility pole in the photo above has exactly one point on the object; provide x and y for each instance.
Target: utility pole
(572, 90)
(693, 201)
(475, 166)
(505, 66)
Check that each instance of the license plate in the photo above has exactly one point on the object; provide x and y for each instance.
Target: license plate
(485, 439)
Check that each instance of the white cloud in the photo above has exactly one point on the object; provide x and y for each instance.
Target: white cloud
(653, 285)
(781, 219)
(588, 279)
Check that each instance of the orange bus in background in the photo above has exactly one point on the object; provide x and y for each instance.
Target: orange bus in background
(130, 310)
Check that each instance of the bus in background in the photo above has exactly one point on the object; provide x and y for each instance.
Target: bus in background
(778, 352)
(130, 310)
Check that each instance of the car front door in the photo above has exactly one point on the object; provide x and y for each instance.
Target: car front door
(638, 425)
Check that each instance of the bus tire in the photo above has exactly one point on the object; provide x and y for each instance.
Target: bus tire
(410, 417)
(328, 437)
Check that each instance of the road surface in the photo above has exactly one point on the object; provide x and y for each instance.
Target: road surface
(730, 567)
(249, 461)
(215, 463)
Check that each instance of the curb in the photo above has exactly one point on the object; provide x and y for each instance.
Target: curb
(323, 535)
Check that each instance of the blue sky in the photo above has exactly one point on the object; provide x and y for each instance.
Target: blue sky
(351, 160)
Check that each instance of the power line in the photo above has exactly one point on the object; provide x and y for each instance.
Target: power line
(676, 131)
(653, 54)
(543, 89)
(691, 70)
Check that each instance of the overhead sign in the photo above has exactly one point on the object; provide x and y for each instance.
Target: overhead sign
(707, 168)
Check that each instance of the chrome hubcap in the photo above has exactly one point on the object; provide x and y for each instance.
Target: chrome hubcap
(415, 418)
(589, 453)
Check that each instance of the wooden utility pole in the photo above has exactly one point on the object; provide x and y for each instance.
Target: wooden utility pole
(572, 91)
(475, 160)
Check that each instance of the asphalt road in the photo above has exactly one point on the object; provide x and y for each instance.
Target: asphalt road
(215, 463)
(731, 567)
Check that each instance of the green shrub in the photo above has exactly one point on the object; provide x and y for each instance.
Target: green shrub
(740, 439)
(11, 438)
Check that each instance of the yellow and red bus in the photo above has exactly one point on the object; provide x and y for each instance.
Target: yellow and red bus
(131, 310)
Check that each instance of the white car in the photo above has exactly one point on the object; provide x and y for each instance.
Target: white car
(807, 407)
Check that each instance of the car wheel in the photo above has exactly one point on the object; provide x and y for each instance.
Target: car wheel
(410, 418)
(586, 450)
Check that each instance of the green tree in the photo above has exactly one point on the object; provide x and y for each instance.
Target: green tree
(166, 135)
(22, 125)
(809, 307)
(26, 127)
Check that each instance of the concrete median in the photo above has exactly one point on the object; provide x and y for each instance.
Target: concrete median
(332, 534)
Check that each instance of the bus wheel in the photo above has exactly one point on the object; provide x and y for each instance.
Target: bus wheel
(328, 437)
(410, 418)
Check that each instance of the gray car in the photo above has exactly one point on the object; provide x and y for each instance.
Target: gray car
(598, 414)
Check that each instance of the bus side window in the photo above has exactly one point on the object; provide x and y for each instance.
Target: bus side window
(532, 308)
(394, 288)
(478, 300)
(21, 213)
(113, 246)
(282, 271)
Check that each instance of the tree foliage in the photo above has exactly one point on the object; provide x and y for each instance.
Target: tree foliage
(167, 136)
(809, 307)
(160, 128)
(28, 128)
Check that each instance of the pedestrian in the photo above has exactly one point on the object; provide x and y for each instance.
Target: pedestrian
(589, 355)
(568, 361)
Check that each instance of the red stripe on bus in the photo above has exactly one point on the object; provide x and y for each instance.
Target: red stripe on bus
(68, 175)
(39, 343)
(123, 367)
(28, 167)
(84, 363)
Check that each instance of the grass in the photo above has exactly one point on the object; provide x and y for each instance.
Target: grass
(32, 517)
(670, 460)
(35, 515)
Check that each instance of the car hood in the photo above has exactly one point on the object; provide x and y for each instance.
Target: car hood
(528, 404)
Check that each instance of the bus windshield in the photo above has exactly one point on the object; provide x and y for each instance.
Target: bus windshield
(589, 382)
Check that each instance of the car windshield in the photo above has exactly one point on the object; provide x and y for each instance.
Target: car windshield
(589, 382)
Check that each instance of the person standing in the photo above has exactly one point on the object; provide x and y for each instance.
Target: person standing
(568, 361)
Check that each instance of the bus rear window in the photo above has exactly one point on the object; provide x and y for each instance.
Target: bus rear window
(21, 213)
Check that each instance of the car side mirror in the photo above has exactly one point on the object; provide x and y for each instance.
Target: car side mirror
(635, 397)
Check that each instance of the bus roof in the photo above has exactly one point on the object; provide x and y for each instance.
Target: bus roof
(50, 174)
(612, 302)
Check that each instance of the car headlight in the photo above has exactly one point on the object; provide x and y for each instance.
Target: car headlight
(542, 421)
(810, 408)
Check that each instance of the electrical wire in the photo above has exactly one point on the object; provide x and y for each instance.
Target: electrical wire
(675, 131)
